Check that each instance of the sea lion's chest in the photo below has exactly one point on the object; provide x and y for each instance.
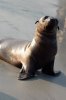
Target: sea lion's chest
(43, 52)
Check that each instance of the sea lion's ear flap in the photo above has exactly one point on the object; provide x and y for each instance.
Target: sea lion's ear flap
(58, 28)
(36, 21)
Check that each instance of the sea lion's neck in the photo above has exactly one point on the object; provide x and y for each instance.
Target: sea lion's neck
(41, 37)
(37, 40)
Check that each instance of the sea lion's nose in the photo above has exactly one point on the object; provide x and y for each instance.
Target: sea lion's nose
(54, 20)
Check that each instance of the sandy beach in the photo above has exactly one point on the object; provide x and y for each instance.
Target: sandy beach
(17, 19)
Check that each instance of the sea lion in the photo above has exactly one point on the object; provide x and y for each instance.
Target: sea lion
(38, 54)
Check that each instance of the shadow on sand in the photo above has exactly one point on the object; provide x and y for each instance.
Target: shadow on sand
(4, 96)
(60, 80)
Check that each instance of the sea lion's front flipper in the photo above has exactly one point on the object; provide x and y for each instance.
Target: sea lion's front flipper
(49, 69)
(28, 73)
(24, 76)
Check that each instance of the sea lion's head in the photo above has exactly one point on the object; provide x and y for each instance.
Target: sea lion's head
(47, 25)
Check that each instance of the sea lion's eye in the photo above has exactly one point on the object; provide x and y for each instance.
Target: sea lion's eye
(46, 17)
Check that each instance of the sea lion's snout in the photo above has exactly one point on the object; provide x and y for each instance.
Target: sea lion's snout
(50, 19)
(54, 21)
(51, 22)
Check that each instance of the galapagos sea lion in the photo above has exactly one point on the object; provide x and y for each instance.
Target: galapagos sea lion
(37, 54)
